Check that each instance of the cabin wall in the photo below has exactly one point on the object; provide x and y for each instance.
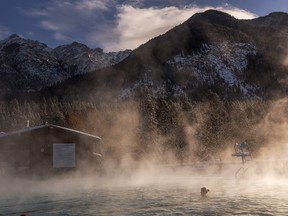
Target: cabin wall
(13, 154)
(33, 151)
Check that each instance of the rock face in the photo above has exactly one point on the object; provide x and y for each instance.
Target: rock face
(223, 63)
(215, 64)
(27, 65)
(78, 58)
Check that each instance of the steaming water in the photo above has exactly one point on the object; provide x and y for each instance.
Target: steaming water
(165, 195)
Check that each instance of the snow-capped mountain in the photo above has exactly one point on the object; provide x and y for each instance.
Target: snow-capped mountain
(223, 63)
(211, 51)
(237, 59)
(78, 58)
(27, 65)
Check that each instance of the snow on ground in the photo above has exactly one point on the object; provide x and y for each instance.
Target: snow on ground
(218, 60)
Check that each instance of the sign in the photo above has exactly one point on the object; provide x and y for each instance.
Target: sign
(64, 155)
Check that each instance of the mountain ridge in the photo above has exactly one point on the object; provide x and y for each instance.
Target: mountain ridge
(149, 61)
(223, 41)
(28, 65)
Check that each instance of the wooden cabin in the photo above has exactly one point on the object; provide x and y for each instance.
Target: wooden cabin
(48, 149)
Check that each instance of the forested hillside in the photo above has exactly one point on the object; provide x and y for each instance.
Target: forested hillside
(161, 129)
(189, 94)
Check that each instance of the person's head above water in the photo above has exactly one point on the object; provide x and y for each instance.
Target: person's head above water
(204, 191)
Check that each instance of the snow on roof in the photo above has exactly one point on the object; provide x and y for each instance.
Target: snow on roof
(48, 126)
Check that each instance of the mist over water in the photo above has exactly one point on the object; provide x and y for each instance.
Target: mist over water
(158, 183)
(147, 192)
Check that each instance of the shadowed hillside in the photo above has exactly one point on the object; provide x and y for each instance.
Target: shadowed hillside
(238, 59)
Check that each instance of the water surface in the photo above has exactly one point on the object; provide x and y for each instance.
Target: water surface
(142, 195)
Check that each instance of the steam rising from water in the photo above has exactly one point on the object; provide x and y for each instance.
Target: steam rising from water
(286, 61)
(147, 192)
(150, 177)
(269, 142)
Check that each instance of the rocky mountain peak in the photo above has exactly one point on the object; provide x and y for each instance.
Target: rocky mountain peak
(14, 36)
(212, 17)
(277, 19)
(78, 58)
(29, 65)
(75, 45)
(216, 14)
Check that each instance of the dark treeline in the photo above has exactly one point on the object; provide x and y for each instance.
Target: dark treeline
(147, 126)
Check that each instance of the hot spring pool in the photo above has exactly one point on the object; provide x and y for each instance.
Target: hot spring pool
(165, 195)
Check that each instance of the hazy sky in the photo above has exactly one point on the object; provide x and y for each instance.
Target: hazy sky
(113, 24)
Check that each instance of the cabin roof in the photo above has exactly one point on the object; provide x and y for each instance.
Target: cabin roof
(59, 128)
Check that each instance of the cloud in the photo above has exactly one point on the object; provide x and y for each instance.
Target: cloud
(60, 37)
(80, 19)
(239, 13)
(138, 25)
(50, 25)
(92, 5)
(30, 34)
(114, 26)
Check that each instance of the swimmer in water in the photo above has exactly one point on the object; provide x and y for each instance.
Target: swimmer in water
(204, 191)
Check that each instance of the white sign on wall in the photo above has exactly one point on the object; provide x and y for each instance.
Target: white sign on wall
(64, 155)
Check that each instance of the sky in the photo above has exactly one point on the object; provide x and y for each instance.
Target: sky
(114, 25)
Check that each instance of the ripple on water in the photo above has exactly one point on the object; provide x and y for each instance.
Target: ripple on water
(226, 197)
